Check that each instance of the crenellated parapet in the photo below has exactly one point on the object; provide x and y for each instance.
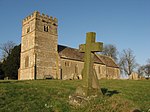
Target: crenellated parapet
(42, 17)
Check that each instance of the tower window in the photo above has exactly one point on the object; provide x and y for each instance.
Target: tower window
(28, 29)
(26, 61)
(46, 28)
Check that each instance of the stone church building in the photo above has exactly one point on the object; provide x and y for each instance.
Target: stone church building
(43, 58)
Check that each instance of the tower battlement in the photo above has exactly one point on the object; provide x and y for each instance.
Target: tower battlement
(41, 17)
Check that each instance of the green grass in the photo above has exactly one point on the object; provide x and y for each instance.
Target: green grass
(53, 96)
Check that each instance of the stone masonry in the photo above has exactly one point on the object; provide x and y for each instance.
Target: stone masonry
(39, 56)
(42, 57)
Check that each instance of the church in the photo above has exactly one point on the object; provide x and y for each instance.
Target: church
(42, 58)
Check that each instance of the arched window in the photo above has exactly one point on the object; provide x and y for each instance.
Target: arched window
(67, 63)
(26, 61)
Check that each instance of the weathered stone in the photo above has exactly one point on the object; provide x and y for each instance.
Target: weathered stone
(90, 87)
(42, 57)
(6, 78)
(134, 76)
(90, 84)
(78, 101)
(39, 56)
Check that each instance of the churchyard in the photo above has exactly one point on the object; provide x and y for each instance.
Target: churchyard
(53, 96)
(86, 95)
(42, 75)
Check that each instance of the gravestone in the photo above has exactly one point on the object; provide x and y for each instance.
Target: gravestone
(90, 86)
(134, 76)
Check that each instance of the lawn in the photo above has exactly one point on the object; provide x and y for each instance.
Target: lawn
(53, 96)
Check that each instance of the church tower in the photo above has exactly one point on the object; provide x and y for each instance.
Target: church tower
(39, 56)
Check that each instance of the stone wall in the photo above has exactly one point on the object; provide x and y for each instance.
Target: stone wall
(27, 59)
(72, 68)
(100, 70)
(113, 73)
(39, 56)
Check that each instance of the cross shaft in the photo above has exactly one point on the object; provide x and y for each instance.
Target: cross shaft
(89, 48)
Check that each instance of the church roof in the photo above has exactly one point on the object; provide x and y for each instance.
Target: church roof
(108, 61)
(74, 54)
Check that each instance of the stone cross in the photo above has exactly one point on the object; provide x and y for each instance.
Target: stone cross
(90, 80)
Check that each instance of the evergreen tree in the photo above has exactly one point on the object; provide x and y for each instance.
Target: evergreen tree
(1, 71)
(12, 63)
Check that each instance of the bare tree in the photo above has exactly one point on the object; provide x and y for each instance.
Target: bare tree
(110, 50)
(7, 48)
(144, 70)
(147, 68)
(141, 70)
(127, 61)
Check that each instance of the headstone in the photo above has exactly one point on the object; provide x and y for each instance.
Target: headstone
(6, 78)
(134, 76)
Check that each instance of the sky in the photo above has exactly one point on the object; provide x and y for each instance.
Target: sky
(123, 23)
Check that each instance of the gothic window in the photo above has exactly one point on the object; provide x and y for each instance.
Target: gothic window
(28, 29)
(67, 63)
(26, 61)
(45, 28)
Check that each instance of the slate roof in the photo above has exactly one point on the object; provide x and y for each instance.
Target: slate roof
(108, 61)
(74, 54)
(70, 53)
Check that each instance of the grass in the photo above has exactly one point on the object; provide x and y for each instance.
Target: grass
(53, 96)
